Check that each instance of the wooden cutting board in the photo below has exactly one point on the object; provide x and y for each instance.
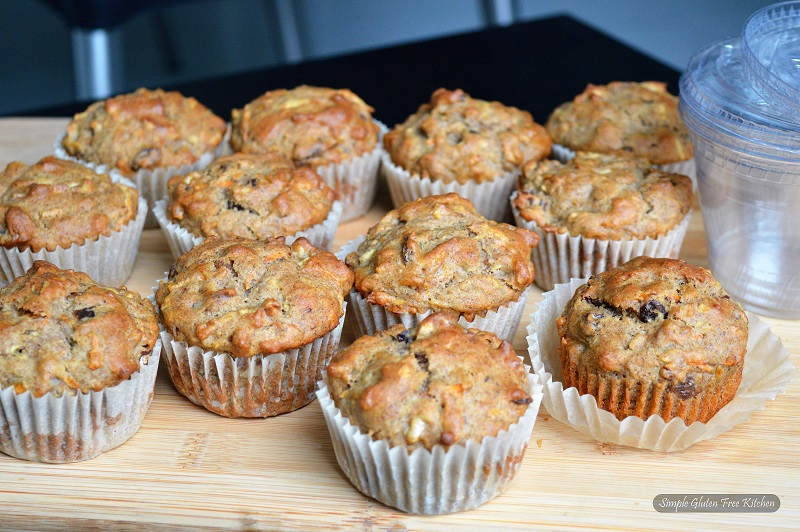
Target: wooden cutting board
(189, 468)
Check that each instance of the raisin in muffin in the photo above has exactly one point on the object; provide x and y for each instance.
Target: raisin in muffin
(248, 196)
(329, 130)
(639, 118)
(437, 253)
(597, 211)
(64, 336)
(250, 324)
(434, 390)
(66, 213)
(456, 143)
(654, 337)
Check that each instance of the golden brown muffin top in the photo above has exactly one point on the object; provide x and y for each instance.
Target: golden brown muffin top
(654, 320)
(459, 138)
(58, 203)
(606, 196)
(435, 384)
(144, 130)
(438, 253)
(249, 196)
(249, 297)
(60, 332)
(311, 126)
(640, 118)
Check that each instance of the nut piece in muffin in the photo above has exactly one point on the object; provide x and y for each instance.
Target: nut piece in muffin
(435, 384)
(144, 130)
(654, 337)
(456, 138)
(249, 297)
(310, 126)
(640, 118)
(605, 196)
(62, 333)
(248, 196)
(437, 253)
(58, 203)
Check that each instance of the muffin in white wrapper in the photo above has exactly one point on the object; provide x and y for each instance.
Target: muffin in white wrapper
(490, 198)
(76, 427)
(767, 372)
(430, 482)
(108, 260)
(257, 386)
(180, 240)
(370, 318)
(560, 257)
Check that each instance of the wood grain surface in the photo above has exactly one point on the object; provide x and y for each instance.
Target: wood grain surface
(187, 468)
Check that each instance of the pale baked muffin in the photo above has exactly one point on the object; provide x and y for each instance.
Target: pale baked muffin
(239, 302)
(64, 336)
(459, 403)
(637, 117)
(144, 130)
(60, 203)
(654, 337)
(251, 196)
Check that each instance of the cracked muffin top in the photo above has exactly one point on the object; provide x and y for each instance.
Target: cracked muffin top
(249, 196)
(640, 118)
(435, 384)
(60, 332)
(438, 253)
(249, 297)
(58, 203)
(462, 139)
(655, 320)
(606, 196)
(144, 130)
(310, 126)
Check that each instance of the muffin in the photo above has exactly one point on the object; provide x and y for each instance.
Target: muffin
(71, 346)
(597, 211)
(67, 214)
(437, 253)
(250, 324)
(638, 118)
(146, 136)
(248, 196)
(461, 144)
(460, 403)
(329, 130)
(654, 337)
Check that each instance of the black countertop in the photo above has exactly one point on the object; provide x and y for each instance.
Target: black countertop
(534, 66)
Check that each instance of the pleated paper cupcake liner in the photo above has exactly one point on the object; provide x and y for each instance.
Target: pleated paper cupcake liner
(247, 387)
(108, 260)
(490, 198)
(181, 240)
(560, 257)
(433, 482)
(356, 181)
(77, 427)
(369, 318)
(767, 373)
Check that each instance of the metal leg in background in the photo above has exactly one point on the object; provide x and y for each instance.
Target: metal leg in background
(93, 52)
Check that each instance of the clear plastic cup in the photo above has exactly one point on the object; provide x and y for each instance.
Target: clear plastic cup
(747, 151)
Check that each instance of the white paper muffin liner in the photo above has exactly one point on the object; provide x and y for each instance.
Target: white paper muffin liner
(370, 318)
(151, 184)
(430, 482)
(108, 260)
(490, 198)
(77, 427)
(257, 386)
(560, 257)
(181, 240)
(767, 372)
